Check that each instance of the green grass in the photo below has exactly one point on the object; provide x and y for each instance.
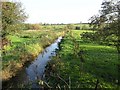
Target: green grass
(25, 46)
(83, 26)
(100, 62)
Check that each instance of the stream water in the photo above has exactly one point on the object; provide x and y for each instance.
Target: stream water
(35, 70)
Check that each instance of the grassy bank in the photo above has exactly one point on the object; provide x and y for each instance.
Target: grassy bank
(24, 46)
(80, 64)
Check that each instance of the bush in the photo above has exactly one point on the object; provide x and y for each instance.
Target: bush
(77, 28)
(88, 36)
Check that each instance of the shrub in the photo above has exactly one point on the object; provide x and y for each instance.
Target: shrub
(88, 36)
(77, 28)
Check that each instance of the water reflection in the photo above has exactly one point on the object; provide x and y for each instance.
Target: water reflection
(36, 69)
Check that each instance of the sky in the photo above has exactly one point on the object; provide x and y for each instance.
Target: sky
(60, 11)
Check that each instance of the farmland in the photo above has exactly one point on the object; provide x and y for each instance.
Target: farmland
(79, 63)
(59, 44)
(97, 62)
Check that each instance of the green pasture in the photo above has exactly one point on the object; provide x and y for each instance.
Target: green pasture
(99, 63)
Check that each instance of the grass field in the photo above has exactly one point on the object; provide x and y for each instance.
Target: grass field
(24, 46)
(81, 64)
(83, 26)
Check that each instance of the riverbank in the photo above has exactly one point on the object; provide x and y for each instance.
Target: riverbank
(30, 75)
(24, 47)
(81, 64)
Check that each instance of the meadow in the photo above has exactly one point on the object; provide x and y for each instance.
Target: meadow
(23, 47)
(60, 56)
(78, 63)
(82, 64)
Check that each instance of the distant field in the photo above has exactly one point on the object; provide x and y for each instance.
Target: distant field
(97, 62)
(83, 26)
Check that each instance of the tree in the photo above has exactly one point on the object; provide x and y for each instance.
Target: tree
(107, 24)
(12, 14)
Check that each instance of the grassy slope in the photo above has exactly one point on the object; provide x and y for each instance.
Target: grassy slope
(100, 62)
(25, 46)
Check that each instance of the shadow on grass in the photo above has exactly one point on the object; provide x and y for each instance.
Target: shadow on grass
(100, 63)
